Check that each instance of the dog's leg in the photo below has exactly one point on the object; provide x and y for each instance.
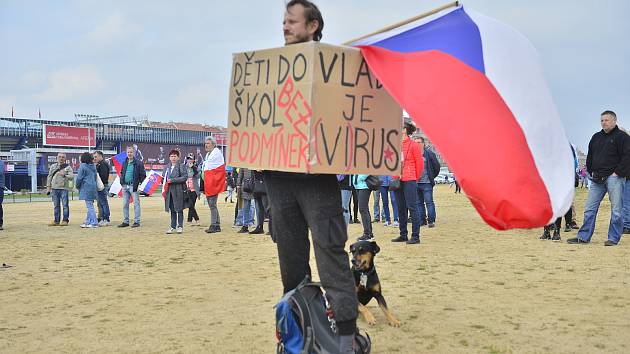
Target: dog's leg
(383, 305)
(369, 318)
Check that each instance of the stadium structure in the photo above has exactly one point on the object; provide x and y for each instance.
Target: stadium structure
(29, 146)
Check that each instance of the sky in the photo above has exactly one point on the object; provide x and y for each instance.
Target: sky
(171, 61)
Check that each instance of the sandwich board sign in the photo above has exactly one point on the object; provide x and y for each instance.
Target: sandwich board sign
(311, 108)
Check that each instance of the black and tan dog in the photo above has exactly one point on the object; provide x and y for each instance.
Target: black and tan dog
(366, 280)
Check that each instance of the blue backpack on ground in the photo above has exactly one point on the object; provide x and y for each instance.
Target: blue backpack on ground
(305, 323)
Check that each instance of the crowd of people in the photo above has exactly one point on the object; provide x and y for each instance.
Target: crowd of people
(182, 186)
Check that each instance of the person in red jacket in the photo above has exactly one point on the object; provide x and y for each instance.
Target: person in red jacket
(407, 194)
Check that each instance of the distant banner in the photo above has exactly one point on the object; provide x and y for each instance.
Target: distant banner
(155, 156)
(59, 135)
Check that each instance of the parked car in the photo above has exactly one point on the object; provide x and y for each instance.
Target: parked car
(7, 191)
(440, 179)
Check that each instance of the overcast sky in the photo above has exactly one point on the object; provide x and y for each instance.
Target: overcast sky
(171, 60)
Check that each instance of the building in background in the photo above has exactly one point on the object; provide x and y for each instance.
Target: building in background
(152, 141)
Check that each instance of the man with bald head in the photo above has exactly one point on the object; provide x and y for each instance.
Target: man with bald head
(608, 165)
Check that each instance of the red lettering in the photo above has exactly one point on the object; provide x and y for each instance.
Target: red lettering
(303, 155)
(293, 148)
(303, 113)
(284, 150)
(278, 136)
(285, 94)
(267, 144)
(233, 143)
(243, 156)
(256, 149)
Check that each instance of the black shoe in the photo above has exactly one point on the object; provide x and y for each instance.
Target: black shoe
(574, 226)
(546, 235)
(609, 243)
(567, 228)
(424, 223)
(575, 241)
(431, 225)
(356, 221)
(376, 220)
(556, 235)
(257, 231)
(413, 241)
(626, 230)
(365, 238)
(400, 239)
(243, 230)
(211, 229)
(135, 224)
(1, 228)
(124, 225)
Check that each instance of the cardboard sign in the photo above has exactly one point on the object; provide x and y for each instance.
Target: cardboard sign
(313, 108)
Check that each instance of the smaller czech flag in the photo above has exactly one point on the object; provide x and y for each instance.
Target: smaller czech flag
(150, 184)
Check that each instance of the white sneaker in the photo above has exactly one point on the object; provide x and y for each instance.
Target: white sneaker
(104, 223)
(170, 231)
(83, 226)
(386, 224)
(395, 224)
(179, 230)
(88, 226)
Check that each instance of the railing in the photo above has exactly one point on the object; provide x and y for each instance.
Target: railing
(109, 132)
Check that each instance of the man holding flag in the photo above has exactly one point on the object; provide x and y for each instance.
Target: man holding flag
(132, 173)
(213, 180)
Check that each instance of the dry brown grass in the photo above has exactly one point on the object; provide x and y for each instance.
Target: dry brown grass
(466, 288)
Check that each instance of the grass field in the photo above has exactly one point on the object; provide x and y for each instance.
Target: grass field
(466, 288)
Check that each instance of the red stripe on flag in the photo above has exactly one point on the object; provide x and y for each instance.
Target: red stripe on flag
(465, 117)
(214, 181)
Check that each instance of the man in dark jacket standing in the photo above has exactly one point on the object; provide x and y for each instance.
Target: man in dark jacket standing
(102, 170)
(608, 165)
(301, 202)
(131, 175)
(425, 184)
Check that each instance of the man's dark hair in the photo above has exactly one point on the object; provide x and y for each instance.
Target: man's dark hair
(99, 153)
(86, 157)
(312, 13)
(610, 113)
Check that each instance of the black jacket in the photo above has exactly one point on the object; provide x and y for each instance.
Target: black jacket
(139, 174)
(433, 165)
(345, 184)
(608, 153)
(102, 168)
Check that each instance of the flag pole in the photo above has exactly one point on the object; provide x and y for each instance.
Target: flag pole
(404, 22)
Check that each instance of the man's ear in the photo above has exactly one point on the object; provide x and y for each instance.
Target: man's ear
(312, 27)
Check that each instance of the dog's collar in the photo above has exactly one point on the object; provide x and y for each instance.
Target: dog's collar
(369, 271)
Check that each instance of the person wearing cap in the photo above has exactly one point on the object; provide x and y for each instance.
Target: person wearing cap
(192, 192)
(174, 178)
(407, 194)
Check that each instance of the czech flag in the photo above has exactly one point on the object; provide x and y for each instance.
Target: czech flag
(151, 182)
(214, 173)
(476, 89)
